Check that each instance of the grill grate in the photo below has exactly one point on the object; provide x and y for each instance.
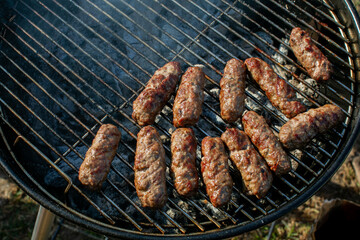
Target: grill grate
(69, 66)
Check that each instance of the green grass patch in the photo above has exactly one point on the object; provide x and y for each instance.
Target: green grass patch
(17, 217)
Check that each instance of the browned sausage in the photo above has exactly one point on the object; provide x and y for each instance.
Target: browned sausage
(276, 89)
(309, 55)
(150, 167)
(232, 93)
(215, 171)
(96, 165)
(298, 131)
(189, 98)
(157, 92)
(183, 149)
(266, 142)
(255, 173)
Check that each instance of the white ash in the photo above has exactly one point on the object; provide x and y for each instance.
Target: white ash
(264, 101)
(164, 138)
(286, 74)
(215, 92)
(171, 130)
(294, 165)
(167, 110)
(306, 90)
(208, 207)
(185, 206)
(291, 68)
(298, 154)
(212, 101)
(218, 119)
(200, 66)
(282, 60)
(198, 152)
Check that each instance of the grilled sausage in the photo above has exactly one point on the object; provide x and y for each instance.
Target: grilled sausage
(215, 171)
(156, 93)
(189, 98)
(232, 92)
(96, 165)
(150, 167)
(276, 89)
(255, 173)
(266, 142)
(183, 149)
(310, 56)
(297, 132)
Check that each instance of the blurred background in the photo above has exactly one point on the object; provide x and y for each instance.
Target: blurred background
(357, 4)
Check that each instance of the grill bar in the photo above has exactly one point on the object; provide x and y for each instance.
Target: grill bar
(262, 53)
(51, 147)
(83, 37)
(65, 50)
(224, 38)
(39, 153)
(70, 147)
(203, 47)
(47, 93)
(239, 36)
(315, 30)
(273, 36)
(112, 32)
(241, 210)
(133, 22)
(65, 65)
(318, 21)
(269, 57)
(330, 6)
(99, 36)
(43, 156)
(319, 45)
(64, 141)
(326, 16)
(278, 28)
(59, 119)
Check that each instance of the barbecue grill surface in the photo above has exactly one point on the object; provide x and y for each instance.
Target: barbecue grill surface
(66, 67)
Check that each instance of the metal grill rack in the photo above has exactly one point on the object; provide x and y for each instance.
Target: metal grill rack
(66, 67)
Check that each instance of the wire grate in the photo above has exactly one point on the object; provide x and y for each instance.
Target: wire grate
(69, 66)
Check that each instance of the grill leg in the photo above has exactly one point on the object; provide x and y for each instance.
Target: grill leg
(43, 224)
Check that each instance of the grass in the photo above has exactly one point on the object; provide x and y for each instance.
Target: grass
(283, 229)
(357, 4)
(17, 216)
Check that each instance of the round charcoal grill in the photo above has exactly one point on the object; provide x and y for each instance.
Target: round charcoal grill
(68, 66)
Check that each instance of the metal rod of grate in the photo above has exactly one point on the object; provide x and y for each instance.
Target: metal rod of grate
(40, 25)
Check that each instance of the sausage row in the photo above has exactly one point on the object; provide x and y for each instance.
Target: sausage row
(150, 167)
(254, 166)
